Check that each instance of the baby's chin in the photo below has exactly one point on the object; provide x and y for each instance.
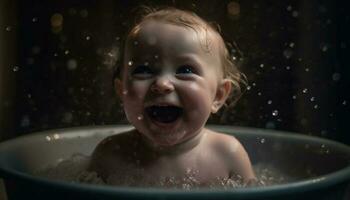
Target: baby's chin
(168, 140)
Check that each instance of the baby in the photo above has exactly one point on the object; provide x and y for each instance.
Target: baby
(176, 72)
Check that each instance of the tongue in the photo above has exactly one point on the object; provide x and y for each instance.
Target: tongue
(164, 114)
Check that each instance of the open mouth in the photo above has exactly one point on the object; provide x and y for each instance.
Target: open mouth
(164, 114)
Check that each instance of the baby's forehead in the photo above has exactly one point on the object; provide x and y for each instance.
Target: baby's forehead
(169, 35)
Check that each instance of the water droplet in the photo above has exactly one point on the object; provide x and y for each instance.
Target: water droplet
(336, 76)
(312, 99)
(261, 65)
(307, 69)
(48, 138)
(288, 67)
(146, 64)
(56, 20)
(316, 106)
(291, 45)
(303, 121)
(140, 117)
(55, 54)
(262, 140)
(259, 93)
(130, 63)
(87, 37)
(249, 87)
(125, 92)
(36, 50)
(15, 68)
(324, 48)
(269, 102)
(294, 97)
(67, 117)
(289, 8)
(270, 125)
(84, 13)
(156, 56)
(344, 103)
(305, 90)
(288, 53)
(234, 58)
(66, 52)
(295, 13)
(25, 121)
(56, 136)
(8, 28)
(34, 19)
(275, 113)
(72, 64)
(324, 132)
(136, 43)
(233, 9)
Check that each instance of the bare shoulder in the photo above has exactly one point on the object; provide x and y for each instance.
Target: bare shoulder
(233, 154)
(111, 150)
(114, 142)
(224, 143)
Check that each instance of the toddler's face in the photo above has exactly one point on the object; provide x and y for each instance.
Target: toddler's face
(169, 83)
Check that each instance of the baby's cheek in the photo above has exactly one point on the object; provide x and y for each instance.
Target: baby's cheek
(197, 99)
(137, 89)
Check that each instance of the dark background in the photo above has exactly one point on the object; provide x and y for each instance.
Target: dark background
(57, 59)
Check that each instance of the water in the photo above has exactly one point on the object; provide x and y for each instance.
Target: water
(74, 170)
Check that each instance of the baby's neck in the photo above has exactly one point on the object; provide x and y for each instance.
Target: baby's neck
(179, 148)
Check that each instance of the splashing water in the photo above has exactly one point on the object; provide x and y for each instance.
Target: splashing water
(74, 170)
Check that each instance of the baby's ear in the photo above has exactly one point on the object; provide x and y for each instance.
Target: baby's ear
(222, 93)
(118, 86)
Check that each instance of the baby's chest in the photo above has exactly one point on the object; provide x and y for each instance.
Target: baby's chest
(202, 168)
(195, 169)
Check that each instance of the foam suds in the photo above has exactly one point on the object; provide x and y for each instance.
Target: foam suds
(74, 170)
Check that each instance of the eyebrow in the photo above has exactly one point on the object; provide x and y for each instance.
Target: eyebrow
(189, 56)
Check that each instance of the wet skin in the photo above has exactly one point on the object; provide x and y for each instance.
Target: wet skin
(169, 87)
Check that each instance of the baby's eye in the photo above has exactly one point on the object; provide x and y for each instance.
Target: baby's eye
(142, 71)
(185, 69)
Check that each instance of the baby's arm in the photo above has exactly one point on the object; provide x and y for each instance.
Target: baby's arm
(235, 157)
(241, 164)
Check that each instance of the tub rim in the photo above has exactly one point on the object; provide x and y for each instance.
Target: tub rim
(317, 183)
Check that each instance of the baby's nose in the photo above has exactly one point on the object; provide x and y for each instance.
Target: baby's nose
(162, 85)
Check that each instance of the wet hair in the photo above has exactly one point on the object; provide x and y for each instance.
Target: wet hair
(190, 20)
